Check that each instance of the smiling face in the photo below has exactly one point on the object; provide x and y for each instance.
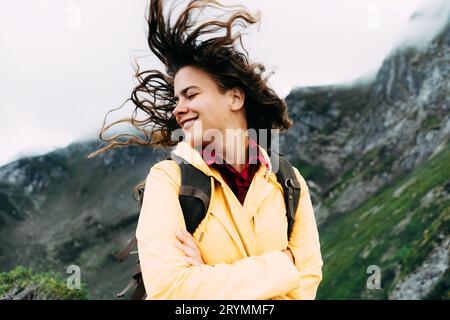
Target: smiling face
(199, 98)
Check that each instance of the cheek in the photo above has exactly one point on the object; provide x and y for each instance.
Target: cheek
(219, 114)
(214, 112)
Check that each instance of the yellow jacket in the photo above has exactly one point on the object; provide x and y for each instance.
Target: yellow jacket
(241, 244)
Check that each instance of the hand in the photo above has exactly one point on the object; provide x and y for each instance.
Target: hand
(187, 244)
(288, 252)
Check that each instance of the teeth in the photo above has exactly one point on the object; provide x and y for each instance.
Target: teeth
(188, 122)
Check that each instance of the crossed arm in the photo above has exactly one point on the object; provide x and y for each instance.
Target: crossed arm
(186, 243)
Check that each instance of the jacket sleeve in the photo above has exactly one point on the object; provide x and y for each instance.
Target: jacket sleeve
(167, 275)
(305, 246)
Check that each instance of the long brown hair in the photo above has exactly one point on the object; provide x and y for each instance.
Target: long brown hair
(178, 46)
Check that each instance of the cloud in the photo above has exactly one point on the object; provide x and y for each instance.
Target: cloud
(428, 20)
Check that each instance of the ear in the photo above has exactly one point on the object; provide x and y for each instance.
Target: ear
(237, 96)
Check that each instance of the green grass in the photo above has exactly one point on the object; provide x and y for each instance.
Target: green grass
(50, 284)
(431, 122)
(308, 171)
(345, 238)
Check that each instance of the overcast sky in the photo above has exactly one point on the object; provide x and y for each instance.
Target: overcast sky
(64, 64)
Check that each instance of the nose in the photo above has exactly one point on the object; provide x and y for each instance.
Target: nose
(180, 109)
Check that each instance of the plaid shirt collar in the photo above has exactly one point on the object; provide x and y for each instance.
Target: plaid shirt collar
(239, 182)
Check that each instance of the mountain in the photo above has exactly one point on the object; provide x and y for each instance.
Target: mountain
(387, 127)
(376, 155)
(61, 209)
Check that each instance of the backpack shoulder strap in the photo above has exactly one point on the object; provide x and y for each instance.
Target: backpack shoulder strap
(195, 193)
(291, 187)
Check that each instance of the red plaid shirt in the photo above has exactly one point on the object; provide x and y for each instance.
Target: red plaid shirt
(239, 182)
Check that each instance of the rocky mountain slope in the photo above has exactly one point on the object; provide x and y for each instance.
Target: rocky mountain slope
(376, 157)
(385, 128)
(61, 209)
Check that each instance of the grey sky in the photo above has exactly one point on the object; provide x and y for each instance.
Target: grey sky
(64, 64)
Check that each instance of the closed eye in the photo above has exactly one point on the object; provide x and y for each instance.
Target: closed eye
(175, 99)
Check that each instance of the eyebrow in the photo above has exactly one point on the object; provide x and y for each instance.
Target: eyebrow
(183, 92)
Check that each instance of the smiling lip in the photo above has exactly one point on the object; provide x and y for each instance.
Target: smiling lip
(184, 121)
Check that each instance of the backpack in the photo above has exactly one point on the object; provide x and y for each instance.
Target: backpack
(195, 194)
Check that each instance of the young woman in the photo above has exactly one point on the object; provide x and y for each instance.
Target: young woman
(210, 92)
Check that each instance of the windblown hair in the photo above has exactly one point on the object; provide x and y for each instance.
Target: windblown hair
(180, 45)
